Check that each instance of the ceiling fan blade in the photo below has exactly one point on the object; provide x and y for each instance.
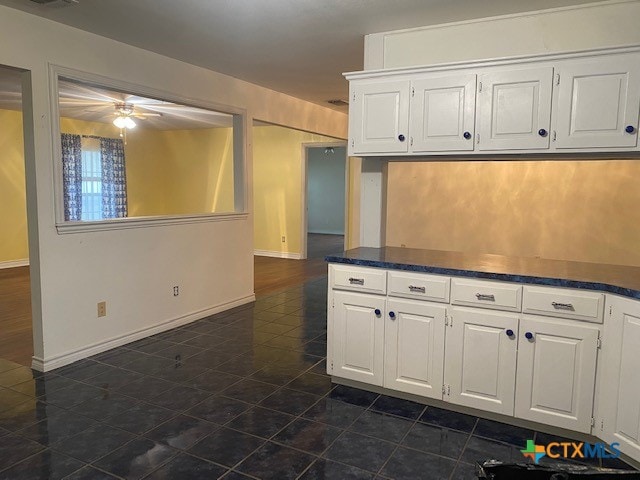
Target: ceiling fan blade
(143, 116)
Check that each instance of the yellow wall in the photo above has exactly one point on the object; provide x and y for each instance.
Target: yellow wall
(277, 187)
(180, 171)
(172, 172)
(82, 127)
(561, 209)
(13, 213)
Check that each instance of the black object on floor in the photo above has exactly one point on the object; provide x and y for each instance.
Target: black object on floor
(494, 470)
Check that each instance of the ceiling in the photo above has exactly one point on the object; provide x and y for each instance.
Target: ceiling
(97, 104)
(299, 47)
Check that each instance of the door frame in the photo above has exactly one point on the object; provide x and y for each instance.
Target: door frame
(304, 217)
(29, 161)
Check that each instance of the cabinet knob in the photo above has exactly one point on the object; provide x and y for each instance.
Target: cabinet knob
(401, 137)
(392, 315)
(528, 336)
(377, 311)
(542, 132)
(509, 332)
(630, 129)
(466, 135)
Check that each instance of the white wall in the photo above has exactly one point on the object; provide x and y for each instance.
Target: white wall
(134, 269)
(325, 190)
(596, 25)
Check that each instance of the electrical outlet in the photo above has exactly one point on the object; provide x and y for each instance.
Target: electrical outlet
(176, 290)
(102, 309)
(283, 239)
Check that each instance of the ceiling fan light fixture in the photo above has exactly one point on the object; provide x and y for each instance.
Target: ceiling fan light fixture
(124, 122)
(119, 122)
(129, 123)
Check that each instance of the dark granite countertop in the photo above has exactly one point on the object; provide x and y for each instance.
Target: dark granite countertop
(618, 279)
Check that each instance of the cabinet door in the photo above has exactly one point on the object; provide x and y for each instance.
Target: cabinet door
(358, 337)
(443, 114)
(414, 347)
(619, 395)
(379, 117)
(480, 359)
(597, 101)
(556, 372)
(514, 109)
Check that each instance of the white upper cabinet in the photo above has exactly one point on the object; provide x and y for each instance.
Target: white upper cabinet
(598, 102)
(443, 113)
(514, 109)
(563, 103)
(379, 117)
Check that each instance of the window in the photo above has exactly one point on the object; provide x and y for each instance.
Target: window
(91, 180)
(94, 178)
(181, 160)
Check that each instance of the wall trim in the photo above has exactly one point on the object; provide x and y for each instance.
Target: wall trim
(276, 254)
(22, 262)
(48, 364)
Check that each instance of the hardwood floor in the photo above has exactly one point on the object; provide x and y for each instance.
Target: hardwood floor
(16, 341)
(271, 275)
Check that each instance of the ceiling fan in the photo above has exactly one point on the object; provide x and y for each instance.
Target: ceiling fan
(125, 114)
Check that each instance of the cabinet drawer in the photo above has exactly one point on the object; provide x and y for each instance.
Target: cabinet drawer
(559, 302)
(419, 285)
(358, 279)
(485, 294)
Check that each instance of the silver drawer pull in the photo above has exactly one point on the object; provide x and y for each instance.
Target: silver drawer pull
(484, 296)
(563, 306)
(356, 281)
(413, 288)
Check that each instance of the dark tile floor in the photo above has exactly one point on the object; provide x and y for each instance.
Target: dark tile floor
(238, 395)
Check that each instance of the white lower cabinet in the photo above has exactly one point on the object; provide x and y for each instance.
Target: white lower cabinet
(358, 336)
(619, 394)
(480, 359)
(414, 347)
(533, 367)
(398, 344)
(556, 372)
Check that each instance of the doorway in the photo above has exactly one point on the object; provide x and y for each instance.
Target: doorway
(280, 206)
(325, 203)
(16, 341)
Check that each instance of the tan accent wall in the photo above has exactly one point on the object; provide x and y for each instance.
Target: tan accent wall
(13, 213)
(583, 210)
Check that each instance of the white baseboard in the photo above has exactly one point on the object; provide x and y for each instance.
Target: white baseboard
(23, 262)
(273, 253)
(47, 364)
